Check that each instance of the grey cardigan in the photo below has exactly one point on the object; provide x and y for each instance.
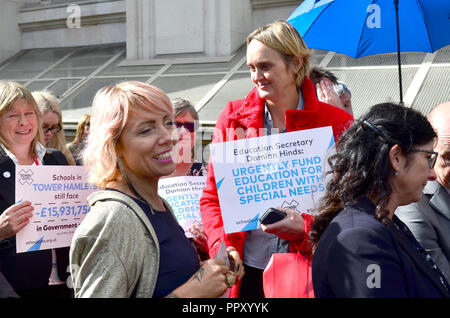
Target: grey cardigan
(114, 251)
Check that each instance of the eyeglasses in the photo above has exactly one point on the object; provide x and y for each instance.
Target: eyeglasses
(53, 130)
(431, 160)
(189, 126)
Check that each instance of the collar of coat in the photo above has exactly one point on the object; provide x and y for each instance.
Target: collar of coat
(251, 112)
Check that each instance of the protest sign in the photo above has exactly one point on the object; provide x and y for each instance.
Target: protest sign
(277, 170)
(58, 194)
(183, 194)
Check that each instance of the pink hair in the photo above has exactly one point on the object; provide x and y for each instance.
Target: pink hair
(110, 110)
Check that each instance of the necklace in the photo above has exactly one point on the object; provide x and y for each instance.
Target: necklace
(138, 196)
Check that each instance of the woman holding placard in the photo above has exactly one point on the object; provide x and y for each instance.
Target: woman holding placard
(283, 99)
(130, 244)
(21, 139)
(186, 121)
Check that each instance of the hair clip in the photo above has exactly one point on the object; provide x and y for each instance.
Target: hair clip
(372, 126)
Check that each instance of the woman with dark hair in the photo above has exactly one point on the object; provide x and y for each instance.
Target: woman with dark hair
(361, 248)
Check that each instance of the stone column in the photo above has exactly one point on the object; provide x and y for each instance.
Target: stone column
(210, 28)
(9, 29)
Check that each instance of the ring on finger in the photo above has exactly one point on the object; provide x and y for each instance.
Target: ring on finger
(230, 279)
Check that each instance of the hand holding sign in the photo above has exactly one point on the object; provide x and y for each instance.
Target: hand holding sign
(58, 195)
(277, 170)
(199, 238)
(290, 228)
(183, 194)
(14, 218)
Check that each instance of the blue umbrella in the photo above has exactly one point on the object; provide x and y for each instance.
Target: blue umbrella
(366, 27)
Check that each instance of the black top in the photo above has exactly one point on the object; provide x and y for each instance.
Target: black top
(27, 271)
(358, 256)
(197, 169)
(178, 258)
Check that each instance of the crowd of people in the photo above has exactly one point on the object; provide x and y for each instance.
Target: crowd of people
(386, 208)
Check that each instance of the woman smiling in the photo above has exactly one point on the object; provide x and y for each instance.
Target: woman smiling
(21, 141)
(130, 244)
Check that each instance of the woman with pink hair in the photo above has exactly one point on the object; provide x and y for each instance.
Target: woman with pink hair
(130, 244)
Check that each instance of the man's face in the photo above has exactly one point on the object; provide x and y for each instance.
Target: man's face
(346, 100)
(442, 167)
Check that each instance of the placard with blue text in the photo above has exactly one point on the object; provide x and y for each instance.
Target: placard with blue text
(255, 174)
(183, 194)
(58, 194)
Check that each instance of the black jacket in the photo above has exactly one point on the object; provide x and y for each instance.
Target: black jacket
(30, 270)
(358, 256)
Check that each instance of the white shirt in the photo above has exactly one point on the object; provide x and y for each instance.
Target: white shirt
(40, 151)
(259, 245)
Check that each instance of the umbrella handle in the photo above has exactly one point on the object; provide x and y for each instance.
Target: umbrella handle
(399, 62)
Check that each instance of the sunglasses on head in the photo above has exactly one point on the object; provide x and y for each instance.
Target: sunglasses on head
(189, 126)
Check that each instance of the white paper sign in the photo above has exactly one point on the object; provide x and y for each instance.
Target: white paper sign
(58, 194)
(277, 170)
(183, 194)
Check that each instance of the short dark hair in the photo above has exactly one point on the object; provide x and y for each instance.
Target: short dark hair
(317, 73)
(181, 106)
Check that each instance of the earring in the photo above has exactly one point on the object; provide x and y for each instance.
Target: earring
(396, 173)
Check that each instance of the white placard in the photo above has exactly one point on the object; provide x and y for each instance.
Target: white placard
(277, 170)
(183, 194)
(58, 194)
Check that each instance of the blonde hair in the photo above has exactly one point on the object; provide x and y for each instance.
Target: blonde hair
(110, 110)
(48, 103)
(10, 92)
(79, 135)
(285, 39)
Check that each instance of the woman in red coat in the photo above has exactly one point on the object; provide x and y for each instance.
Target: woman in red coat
(283, 100)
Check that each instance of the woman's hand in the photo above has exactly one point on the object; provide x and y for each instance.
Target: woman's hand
(291, 228)
(235, 262)
(200, 240)
(208, 282)
(15, 218)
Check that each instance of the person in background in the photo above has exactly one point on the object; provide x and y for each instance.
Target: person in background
(429, 219)
(52, 124)
(77, 144)
(330, 90)
(362, 249)
(282, 100)
(21, 139)
(130, 243)
(187, 121)
(345, 95)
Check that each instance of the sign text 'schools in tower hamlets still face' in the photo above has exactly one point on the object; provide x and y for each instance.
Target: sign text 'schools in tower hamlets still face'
(59, 196)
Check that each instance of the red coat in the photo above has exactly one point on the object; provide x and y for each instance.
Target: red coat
(246, 117)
